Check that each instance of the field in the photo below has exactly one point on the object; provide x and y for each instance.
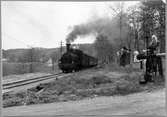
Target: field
(84, 84)
(10, 68)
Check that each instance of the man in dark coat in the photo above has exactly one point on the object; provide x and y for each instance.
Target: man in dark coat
(153, 61)
(123, 57)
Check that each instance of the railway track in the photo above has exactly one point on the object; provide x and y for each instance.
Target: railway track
(29, 81)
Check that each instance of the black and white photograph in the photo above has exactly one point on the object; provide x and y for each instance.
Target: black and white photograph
(83, 58)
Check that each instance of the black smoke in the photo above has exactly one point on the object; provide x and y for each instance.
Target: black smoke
(106, 26)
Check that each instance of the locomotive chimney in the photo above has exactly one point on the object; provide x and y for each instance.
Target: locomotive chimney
(68, 46)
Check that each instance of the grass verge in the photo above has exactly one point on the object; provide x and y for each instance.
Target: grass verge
(86, 84)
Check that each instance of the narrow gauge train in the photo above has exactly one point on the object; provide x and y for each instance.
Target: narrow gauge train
(75, 60)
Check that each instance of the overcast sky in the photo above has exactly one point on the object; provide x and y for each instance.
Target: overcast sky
(45, 24)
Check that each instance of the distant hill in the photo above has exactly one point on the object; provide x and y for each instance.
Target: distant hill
(14, 54)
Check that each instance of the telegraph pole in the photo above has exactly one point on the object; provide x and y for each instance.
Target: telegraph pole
(120, 18)
(31, 60)
(61, 48)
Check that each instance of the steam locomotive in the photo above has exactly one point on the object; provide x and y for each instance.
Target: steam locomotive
(75, 60)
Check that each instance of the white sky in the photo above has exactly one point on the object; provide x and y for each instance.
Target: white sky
(45, 24)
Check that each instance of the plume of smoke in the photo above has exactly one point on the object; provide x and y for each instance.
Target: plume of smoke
(108, 27)
(79, 30)
(92, 27)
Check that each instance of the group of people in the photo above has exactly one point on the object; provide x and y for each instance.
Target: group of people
(153, 63)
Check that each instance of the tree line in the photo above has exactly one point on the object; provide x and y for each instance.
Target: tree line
(138, 24)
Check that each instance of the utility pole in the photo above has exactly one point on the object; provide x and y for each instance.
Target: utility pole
(120, 18)
(31, 60)
(61, 48)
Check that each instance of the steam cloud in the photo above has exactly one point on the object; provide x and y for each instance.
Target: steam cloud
(108, 27)
(92, 27)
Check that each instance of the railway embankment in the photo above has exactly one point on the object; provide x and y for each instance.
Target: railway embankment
(90, 83)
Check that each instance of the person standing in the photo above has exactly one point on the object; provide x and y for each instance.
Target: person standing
(123, 56)
(153, 61)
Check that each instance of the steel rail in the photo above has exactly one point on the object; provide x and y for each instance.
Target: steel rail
(29, 81)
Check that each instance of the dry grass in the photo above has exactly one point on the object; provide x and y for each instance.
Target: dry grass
(85, 84)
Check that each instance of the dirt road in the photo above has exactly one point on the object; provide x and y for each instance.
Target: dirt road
(145, 103)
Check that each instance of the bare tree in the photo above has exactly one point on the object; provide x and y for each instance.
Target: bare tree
(134, 24)
(118, 10)
(104, 49)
